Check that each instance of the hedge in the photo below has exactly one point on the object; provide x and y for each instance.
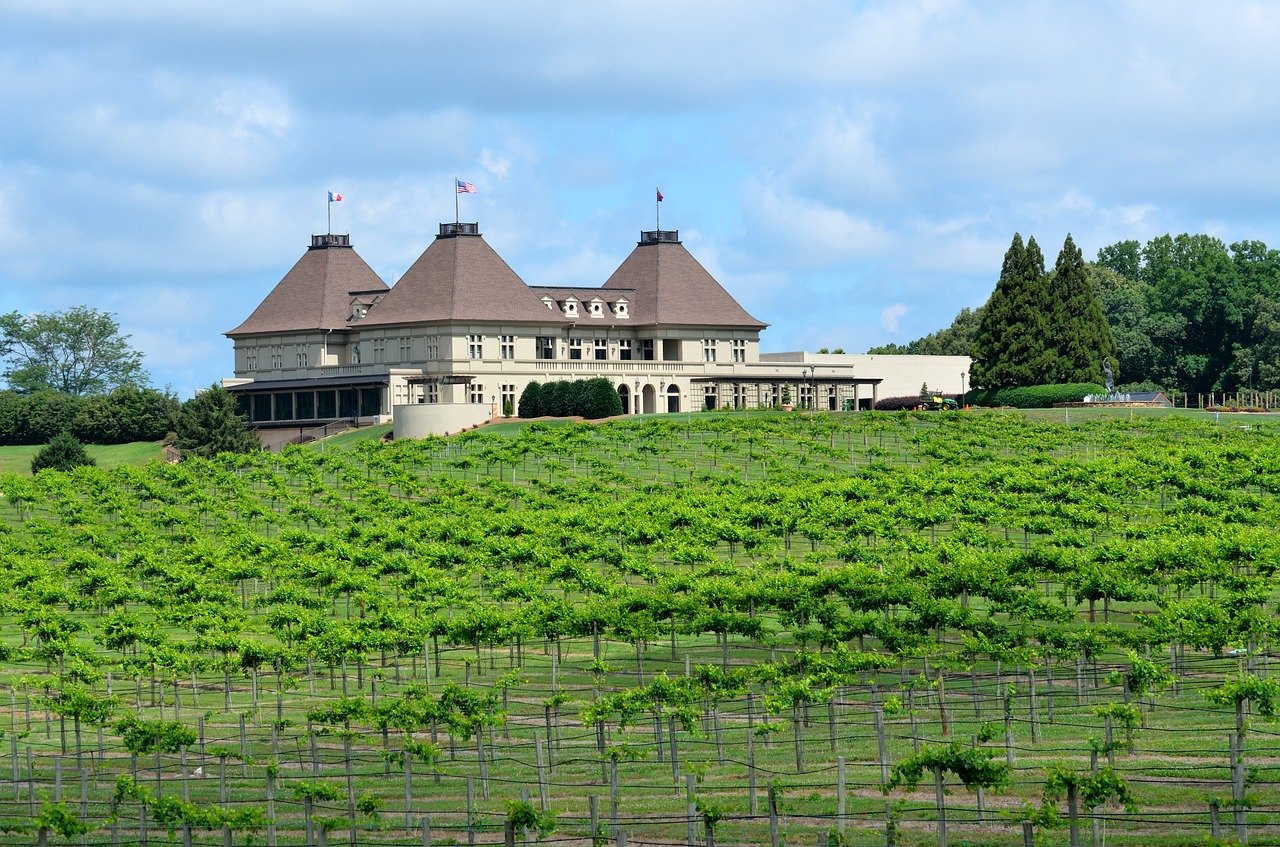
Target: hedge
(1033, 396)
(590, 398)
(908, 401)
(126, 414)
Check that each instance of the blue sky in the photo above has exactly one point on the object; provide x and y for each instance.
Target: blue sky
(852, 172)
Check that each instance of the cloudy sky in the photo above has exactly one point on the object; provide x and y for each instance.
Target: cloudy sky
(852, 172)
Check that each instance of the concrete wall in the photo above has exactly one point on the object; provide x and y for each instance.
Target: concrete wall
(419, 420)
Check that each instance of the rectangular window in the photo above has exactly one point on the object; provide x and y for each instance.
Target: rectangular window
(284, 407)
(277, 358)
(433, 347)
(646, 349)
(433, 393)
(739, 350)
(326, 404)
(575, 348)
(708, 349)
(508, 398)
(477, 392)
(624, 349)
(475, 346)
(602, 349)
(379, 349)
(251, 358)
(262, 407)
(545, 347)
(305, 405)
(302, 357)
(348, 400)
(406, 348)
(507, 347)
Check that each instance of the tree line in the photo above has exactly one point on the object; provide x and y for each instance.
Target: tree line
(1186, 312)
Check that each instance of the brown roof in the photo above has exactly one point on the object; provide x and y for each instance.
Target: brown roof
(316, 292)
(459, 278)
(672, 288)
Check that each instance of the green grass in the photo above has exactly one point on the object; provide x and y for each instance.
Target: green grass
(18, 459)
(352, 437)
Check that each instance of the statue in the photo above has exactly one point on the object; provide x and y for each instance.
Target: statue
(1108, 377)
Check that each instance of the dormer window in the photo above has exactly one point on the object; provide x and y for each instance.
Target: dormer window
(620, 309)
(597, 307)
(571, 308)
(551, 303)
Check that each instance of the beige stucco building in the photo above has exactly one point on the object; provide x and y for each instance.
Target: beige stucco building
(460, 335)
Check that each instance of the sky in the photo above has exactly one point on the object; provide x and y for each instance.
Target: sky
(851, 172)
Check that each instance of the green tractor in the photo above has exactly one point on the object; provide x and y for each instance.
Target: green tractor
(938, 403)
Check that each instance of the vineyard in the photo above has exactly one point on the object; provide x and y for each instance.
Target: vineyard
(861, 629)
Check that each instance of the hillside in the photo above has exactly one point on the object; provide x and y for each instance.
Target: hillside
(655, 614)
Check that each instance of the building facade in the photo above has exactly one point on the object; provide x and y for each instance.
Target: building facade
(460, 335)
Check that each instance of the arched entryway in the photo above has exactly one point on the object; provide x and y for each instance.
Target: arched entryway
(673, 398)
(624, 394)
(649, 398)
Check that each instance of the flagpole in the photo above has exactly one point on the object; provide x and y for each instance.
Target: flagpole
(657, 209)
(329, 211)
(456, 218)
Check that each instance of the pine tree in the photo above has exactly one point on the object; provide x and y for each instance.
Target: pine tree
(63, 452)
(1010, 340)
(1078, 334)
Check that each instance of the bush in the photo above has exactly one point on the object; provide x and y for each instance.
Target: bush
(210, 423)
(590, 398)
(909, 401)
(63, 452)
(1033, 396)
(531, 401)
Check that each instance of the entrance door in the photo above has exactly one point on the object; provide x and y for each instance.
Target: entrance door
(673, 398)
(624, 394)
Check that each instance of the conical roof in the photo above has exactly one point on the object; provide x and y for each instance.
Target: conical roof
(672, 288)
(316, 292)
(459, 277)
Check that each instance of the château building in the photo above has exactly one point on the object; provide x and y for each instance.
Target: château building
(455, 341)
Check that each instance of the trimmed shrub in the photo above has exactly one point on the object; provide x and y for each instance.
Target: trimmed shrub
(600, 399)
(531, 401)
(63, 452)
(1033, 396)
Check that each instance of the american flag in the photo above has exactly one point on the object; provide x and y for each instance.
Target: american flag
(465, 187)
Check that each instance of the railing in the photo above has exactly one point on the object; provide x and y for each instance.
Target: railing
(660, 236)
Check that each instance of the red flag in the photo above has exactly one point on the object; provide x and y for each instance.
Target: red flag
(659, 195)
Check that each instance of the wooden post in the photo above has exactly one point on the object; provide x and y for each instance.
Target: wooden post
(1215, 823)
(751, 764)
(884, 759)
(1035, 729)
(426, 829)
(840, 798)
(773, 816)
(408, 788)
(691, 810)
(940, 798)
(471, 803)
(542, 774)
(593, 811)
(271, 810)
(1073, 814)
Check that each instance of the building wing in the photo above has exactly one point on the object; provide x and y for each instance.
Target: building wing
(671, 288)
(317, 291)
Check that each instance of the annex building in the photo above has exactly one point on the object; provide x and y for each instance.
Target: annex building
(460, 335)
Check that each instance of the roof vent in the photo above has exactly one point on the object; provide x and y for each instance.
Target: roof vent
(660, 236)
(330, 239)
(453, 230)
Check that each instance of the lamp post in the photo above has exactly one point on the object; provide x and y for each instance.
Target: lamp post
(962, 391)
(812, 405)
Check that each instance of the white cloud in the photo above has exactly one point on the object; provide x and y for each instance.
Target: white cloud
(890, 318)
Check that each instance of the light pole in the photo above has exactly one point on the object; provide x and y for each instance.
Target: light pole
(962, 391)
(812, 405)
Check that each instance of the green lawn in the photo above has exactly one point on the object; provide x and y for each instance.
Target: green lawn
(18, 459)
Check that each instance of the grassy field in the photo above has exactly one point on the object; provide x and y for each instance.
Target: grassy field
(18, 459)
(610, 611)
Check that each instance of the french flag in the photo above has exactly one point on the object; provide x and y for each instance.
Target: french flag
(335, 198)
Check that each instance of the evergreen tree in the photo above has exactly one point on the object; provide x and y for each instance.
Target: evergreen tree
(63, 452)
(531, 401)
(1077, 336)
(601, 399)
(210, 423)
(1010, 338)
